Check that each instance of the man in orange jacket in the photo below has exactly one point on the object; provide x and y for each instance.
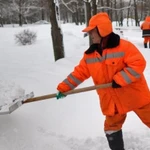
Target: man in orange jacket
(111, 59)
(146, 31)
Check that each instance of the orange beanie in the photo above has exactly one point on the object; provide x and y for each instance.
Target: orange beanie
(102, 22)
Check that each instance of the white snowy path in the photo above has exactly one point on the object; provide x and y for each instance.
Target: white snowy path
(73, 123)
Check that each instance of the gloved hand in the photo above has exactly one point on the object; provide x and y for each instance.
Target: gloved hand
(115, 85)
(60, 95)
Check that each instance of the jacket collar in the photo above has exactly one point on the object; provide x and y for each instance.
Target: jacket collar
(110, 41)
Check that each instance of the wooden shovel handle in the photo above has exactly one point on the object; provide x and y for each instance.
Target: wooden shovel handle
(85, 89)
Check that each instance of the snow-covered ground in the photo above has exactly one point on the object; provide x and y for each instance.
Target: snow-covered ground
(72, 123)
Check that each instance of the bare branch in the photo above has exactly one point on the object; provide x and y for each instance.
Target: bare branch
(105, 7)
(67, 6)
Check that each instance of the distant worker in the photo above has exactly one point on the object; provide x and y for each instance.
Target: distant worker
(146, 31)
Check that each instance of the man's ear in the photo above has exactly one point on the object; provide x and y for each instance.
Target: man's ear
(98, 32)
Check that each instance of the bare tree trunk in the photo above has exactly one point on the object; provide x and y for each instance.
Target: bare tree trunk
(1, 22)
(148, 6)
(128, 13)
(57, 37)
(20, 13)
(121, 14)
(142, 10)
(66, 17)
(111, 11)
(94, 7)
(136, 14)
(76, 15)
(42, 14)
(116, 16)
(1, 17)
(102, 4)
(88, 16)
(42, 10)
(145, 8)
(108, 11)
(81, 16)
(131, 13)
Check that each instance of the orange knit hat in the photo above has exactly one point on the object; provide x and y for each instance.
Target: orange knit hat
(102, 22)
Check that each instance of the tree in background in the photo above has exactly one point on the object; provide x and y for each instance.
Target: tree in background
(1, 13)
(4, 11)
(24, 9)
(74, 10)
(70, 11)
(57, 37)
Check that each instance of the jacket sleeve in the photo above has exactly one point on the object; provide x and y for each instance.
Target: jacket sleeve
(75, 78)
(134, 66)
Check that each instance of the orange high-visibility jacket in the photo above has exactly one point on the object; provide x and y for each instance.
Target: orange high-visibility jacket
(124, 64)
(146, 27)
(146, 24)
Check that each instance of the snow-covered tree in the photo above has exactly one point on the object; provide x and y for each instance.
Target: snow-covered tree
(74, 10)
(4, 11)
(25, 8)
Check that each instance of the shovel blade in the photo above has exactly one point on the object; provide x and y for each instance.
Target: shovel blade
(14, 106)
(8, 109)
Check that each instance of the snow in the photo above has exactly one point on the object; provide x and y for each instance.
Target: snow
(72, 123)
(9, 91)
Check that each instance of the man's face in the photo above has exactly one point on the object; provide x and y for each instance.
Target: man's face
(95, 36)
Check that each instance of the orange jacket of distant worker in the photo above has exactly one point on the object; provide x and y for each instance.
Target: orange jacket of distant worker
(146, 27)
(125, 65)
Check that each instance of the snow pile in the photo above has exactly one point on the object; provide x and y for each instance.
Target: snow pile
(9, 92)
(41, 22)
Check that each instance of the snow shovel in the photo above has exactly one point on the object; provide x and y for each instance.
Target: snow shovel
(8, 109)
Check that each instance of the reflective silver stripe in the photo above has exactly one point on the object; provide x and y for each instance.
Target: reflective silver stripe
(69, 84)
(146, 35)
(111, 131)
(114, 55)
(125, 76)
(134, 73)
(107, 56)
(94, 60)
(77, 81)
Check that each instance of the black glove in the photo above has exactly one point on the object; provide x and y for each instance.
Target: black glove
(115, 85)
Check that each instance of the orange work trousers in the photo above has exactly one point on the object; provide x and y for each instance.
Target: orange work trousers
(146, 39)
(114, 123)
